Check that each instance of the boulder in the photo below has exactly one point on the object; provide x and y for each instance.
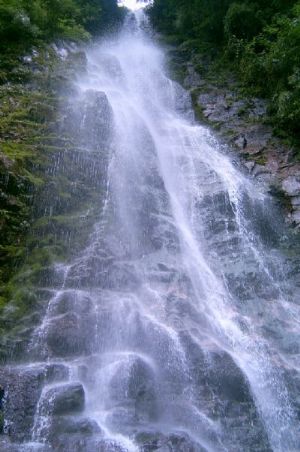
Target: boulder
(64, 399)
(150, 441)
(79, 443)
(133, 387)
(291, 185)
(72, 425)
(23, 388)
(69, 334)
(90, 120)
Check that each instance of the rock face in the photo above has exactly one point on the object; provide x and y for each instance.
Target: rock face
(133, 387)
(242, 122)
(53, 164)
(64, 399)
(23, 388)
(90, 120)
(291, 185)
(176, 442)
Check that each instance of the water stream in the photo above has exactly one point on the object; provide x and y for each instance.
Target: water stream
(168, 332)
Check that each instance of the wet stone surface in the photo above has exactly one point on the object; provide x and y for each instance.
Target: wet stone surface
(23, 388)
(243, 123)
(64, 399)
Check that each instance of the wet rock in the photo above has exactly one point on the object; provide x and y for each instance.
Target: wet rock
(72, 425)
(258, 170)
(257, 137)
(47, 277)
(133, 387)
(111, 65)
(219, 107)
(55, 372)
(121, 419)
(103, 272)
(241, 142)
(229, 398)
(249, 165)
(215, 107)
(97, 119)
(23, 387)
(183, 102)
(69, 334)
(192, 79)
(71, 301)
(7, 446)
(295, 216)
(241, 122)
(91, 120)
(296, 202)
(291, 185)
(64, 399)
(174, 442)
(227, 379)
(83, 443)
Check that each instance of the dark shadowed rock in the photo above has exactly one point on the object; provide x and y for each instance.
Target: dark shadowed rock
(90, 120)
(64, 399)
(175, 442)
(82, 443)
(291, 185)
(23, 387)
(69, 334)
(72, 425)
(133, 386)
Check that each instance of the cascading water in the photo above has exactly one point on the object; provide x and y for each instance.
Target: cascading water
(166, 332)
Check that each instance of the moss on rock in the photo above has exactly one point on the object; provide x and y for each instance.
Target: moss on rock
(49, 189)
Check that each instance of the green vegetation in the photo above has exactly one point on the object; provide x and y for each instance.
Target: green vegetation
(23, 22)
(42, 209)
(258, 39)
(49, 201)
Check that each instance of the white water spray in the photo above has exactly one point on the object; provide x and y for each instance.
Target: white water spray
(160, 314)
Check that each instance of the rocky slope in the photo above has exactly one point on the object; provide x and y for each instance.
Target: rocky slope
(45, 199)
(51, 188)
(242, 122)
(52, 178)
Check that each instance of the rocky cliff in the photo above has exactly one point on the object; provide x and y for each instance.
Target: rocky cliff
(241, 121)
(49, 187)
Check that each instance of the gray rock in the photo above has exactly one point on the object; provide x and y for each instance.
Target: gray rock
(63, 399)
(291, 185)
(97, 119)
(192, 79)
(296, 201)
(111, 65)
(69, 334)
(296, 216)
(215, 107)
(72, 425)
(174, 442)
(90, 120)
(241, 142)
(257, 137)
(259, 170)
(133, 386)
(183, 102)
(249, 165)
(23, 387)
(83, 443)
(7, 446)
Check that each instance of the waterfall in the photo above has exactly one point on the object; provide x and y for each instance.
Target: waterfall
(167, 331)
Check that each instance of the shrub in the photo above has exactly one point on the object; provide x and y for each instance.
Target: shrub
(242, 21)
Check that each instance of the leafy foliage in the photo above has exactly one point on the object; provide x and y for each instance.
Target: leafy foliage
(259, 39)
(27, 20)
